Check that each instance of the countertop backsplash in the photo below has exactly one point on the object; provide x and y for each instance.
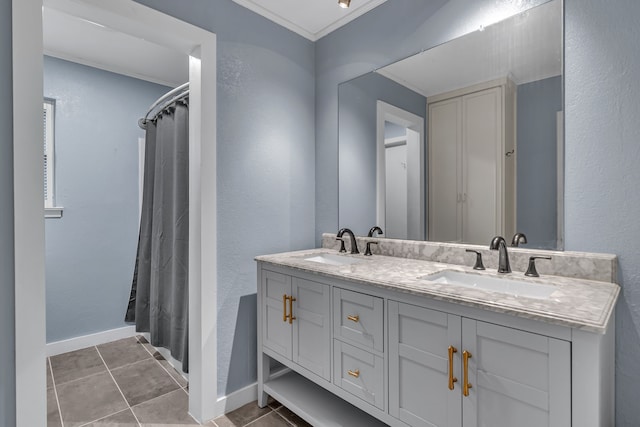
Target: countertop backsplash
(579, 265)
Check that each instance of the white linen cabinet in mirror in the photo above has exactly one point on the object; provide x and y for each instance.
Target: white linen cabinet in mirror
(472, 163)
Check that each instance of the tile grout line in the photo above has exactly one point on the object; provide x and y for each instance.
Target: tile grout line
(104, 418)
(129, 364)
(55, 391)
(262, 416)
(161, 365)
(118, 387)
(283, 417)
(157, 397)
(199, 423)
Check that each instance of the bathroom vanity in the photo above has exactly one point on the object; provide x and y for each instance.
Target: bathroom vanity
(390, 337)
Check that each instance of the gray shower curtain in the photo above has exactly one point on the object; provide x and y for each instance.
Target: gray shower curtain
(159, 293)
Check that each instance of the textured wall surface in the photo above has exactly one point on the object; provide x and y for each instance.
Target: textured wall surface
(602, 93)
(265, 162)
(357, 134)
(91, 250)
(538, 103)
(7, 296)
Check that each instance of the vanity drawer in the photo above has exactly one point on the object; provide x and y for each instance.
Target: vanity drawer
(358, 318)
(358, 372)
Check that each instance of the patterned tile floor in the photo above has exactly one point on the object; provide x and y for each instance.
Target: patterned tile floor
(126, 383)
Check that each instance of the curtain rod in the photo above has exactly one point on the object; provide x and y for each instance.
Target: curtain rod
(163, 100)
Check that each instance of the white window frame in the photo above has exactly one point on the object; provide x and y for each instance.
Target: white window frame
(48, 112)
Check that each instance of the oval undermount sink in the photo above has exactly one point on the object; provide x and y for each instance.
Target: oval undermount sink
(333, 259)
(509, 286)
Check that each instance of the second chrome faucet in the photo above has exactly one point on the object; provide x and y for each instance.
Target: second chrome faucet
(354, 244)
(498, 244)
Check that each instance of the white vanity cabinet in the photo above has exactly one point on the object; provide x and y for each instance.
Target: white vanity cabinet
(447, 370)
(296, 321)
(357, 354)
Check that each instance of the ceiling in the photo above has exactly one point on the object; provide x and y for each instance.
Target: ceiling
(78, 40)
(89, 43)
(312, 19)
(526, 47)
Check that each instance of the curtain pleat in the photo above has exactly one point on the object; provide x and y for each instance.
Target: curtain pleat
(159, 293)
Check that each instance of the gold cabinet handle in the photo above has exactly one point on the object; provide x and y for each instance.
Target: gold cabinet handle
(291, 316)
(284, 307)
(465, 363)
(355, 318)
(355, 373)
(452, 379)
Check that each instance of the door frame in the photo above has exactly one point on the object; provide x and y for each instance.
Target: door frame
(390, 113)
(129, 17)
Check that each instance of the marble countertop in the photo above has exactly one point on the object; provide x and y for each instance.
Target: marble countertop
(577, 303)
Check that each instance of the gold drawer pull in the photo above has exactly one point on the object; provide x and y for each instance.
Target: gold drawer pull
(465, 363)
(452, 379)
(355, 373)
(291, 316)
(355, 318)
(284, 307)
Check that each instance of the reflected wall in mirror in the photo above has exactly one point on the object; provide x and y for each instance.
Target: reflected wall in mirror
(462, 141)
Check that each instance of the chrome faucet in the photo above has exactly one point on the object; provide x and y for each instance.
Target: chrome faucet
(517, 239)
(498, 244)
(373, 230)
(354, 245)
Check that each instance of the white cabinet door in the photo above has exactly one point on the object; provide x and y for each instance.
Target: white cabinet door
(298, 329)
(482, 136)
(517, 378)
(312, 327)
(276, 330)
(419, 392)
(445, 151)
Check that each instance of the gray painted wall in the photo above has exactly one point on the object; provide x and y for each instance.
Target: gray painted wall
(90, 251)
(602, 93)
(602, 136)
(265, 164)
(7, 278)
(538, 103)
(357, 134)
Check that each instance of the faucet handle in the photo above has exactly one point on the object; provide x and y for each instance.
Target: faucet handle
(531, 270)
(478, 265)
(342, 248)
(367, 252)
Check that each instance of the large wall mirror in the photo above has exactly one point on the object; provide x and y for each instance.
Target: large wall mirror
(463, 141)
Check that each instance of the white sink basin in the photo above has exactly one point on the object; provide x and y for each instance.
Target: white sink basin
(333, 259)
(509, 286)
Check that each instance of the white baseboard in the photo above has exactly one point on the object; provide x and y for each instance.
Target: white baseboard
(238, 398)
(85, 341)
